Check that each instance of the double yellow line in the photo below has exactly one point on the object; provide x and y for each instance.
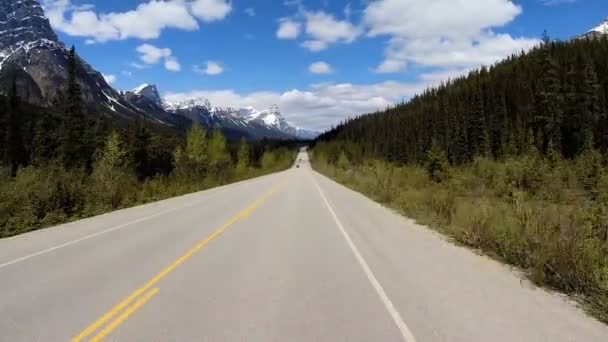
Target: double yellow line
(128, 306)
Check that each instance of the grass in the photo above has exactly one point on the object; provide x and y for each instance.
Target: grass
(550, 218)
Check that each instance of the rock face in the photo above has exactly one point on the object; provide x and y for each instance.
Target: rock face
(23, 22)
(33, 58)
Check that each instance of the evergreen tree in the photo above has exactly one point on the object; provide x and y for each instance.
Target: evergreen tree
(139, 138)
(193, 160)
(73, 144)
(437, 165)
(15, 154)
(219, 158)
(243, 158)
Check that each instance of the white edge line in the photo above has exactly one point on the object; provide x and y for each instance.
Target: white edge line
(406, 333)
(84, 238)
(88, 237)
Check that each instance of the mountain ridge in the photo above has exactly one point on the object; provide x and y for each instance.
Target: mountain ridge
(33, 58)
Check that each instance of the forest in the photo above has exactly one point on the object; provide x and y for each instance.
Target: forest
(59, 164)
(510, 159)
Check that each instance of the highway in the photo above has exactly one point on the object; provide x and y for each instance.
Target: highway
(291, 256)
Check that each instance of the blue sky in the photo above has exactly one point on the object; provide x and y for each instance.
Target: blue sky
(319, 60)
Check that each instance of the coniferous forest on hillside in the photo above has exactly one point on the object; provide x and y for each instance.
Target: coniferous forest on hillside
(511, 159)
(61, 163)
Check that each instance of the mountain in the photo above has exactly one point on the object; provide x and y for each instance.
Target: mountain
(229, 120)
(598, 31)
(33, 57)
(258, 124)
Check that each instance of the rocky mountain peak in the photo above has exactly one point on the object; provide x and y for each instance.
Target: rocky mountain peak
(23, 22)
(150, 92)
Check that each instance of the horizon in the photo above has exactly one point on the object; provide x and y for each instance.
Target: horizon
(320, 63)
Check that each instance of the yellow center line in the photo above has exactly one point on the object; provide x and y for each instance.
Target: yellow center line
(137, 293)
(123, 317)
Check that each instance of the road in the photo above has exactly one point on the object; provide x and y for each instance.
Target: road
(287, 257)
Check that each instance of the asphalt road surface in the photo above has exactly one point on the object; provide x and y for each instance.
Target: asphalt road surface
(287, 257)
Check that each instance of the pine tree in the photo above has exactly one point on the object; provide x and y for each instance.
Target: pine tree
(219, 158)
(243, 158)
(14, 153)
(549, 105)
(437, 164)
(139, 138)
(73, 144)
(192, 161)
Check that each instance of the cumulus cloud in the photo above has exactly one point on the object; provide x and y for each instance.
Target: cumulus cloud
(150, 54)
(109, 78)
(211, 10)
(324, 29)
(443, 33)
(146, 21)
(210, 68)
(288, 29)
(320, 68)
(172, 64)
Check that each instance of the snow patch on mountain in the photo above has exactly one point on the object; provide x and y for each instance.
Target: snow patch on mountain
(602, 28)
(270, 118)
(150, 92)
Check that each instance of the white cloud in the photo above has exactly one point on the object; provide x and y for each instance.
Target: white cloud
(324, 29)
(172, 64)
(211, 68)
(288, 29)
(109, 78)
(443, 18)
(320, 68)
(127, 73)
(211, 10)
(443, 33)
(150, 54)
(146, 21)
(390, 65)
(250, 11)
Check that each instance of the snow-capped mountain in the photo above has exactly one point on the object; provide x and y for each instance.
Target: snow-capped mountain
(32, 55)
(150, 92)
(598, 31)
(265, 123)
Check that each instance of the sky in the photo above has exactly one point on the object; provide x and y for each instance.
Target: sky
(320, 61)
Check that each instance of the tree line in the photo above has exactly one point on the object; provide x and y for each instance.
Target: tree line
(61, 163)
(553, 98)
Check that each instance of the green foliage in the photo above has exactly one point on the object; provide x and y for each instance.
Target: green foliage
(343, 161)
(73, 147)
(219, 158)
(437, 164)
(112, 180)
(243, 158)
(268, 160)
(554, 94)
